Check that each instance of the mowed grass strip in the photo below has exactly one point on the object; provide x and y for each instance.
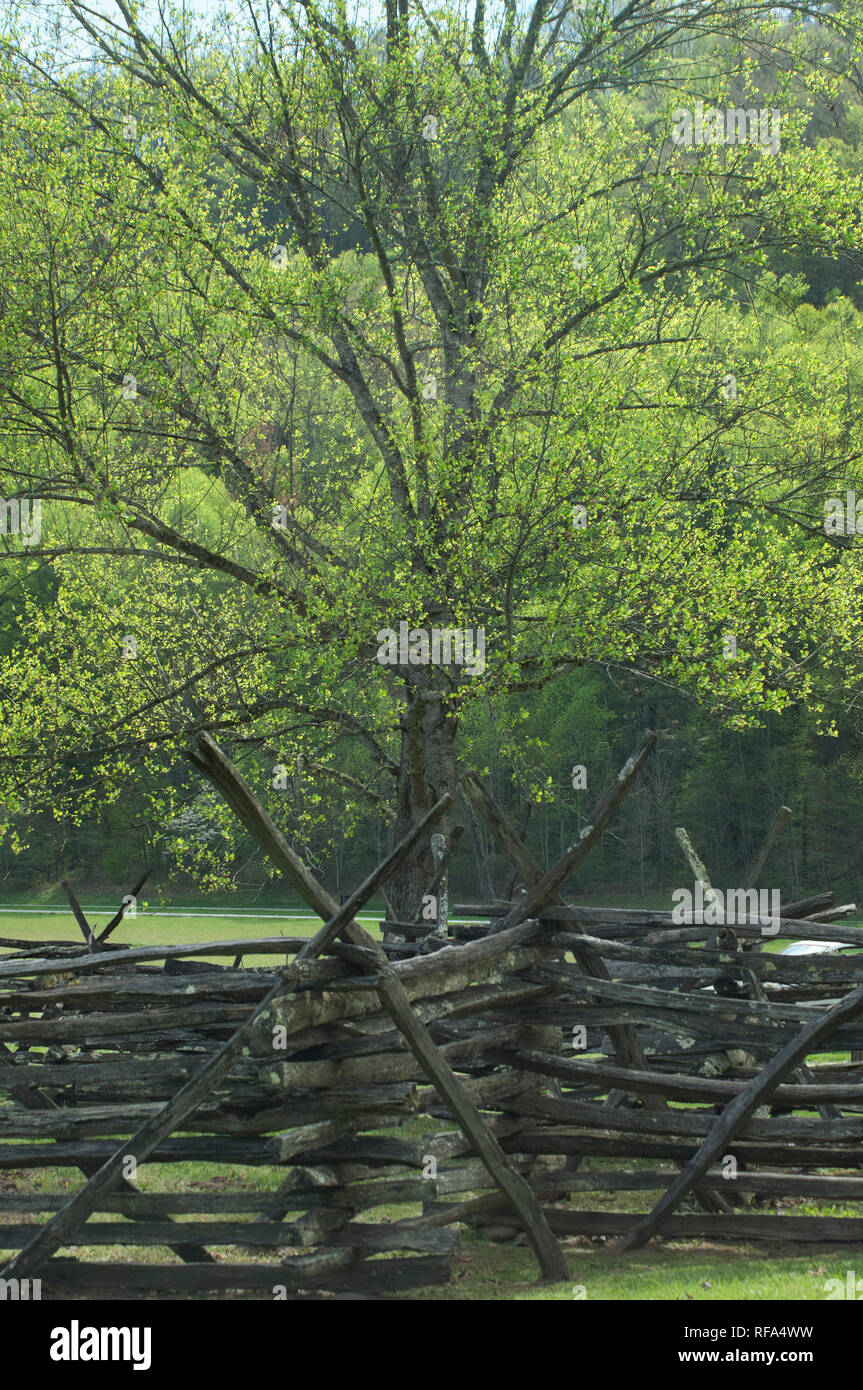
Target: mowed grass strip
(152, 930)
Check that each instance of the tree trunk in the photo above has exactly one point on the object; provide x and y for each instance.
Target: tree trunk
(428, 769)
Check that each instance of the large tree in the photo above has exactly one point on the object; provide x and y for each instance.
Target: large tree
(313, 328)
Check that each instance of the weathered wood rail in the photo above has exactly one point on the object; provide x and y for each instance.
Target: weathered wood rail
(436, 1080)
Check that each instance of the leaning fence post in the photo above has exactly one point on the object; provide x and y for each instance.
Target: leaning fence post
(438, 849)
(738, 1111)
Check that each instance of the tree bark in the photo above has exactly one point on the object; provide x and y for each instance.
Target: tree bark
(427, 770)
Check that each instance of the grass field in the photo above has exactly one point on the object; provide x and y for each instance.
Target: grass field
(161, 927)
(696, 1271)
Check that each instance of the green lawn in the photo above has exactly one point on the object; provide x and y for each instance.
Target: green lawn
(150, 929)
(663, 1272)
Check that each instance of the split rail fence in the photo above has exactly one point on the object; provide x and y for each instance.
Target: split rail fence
(377, 1095)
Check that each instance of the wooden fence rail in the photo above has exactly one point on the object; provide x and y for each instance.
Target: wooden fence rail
(475, 1082)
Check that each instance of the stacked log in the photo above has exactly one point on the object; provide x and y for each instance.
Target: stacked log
(561, 1047)
(327, 1097)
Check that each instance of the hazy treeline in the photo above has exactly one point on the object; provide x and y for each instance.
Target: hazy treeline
(724, 785)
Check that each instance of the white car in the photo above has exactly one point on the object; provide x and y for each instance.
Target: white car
(814, 948)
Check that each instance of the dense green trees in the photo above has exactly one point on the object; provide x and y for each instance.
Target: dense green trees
(724, 785)
(312, 329)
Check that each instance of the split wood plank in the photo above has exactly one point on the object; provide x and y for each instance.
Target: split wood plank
(121, 912)
(539, 892)
(768, 1184)
(735, 1115)
(233, 786)
(35, 1099)
(371, 1237)
(624, 1037)
(736, 1227)
(757, 991)
(159, 1128)
(780, 820)
(443, 863)
(78, 914)
(700, 872)
(675, 1085)
(330, 1269)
